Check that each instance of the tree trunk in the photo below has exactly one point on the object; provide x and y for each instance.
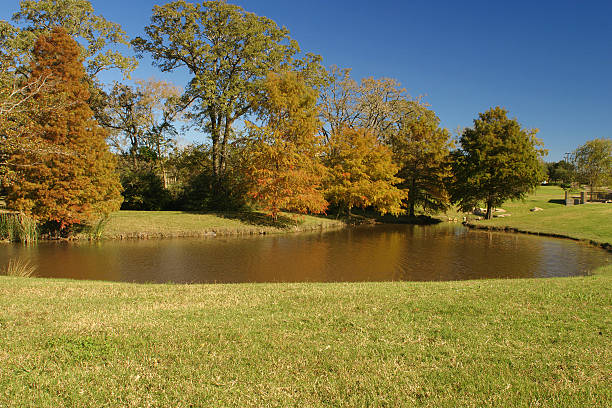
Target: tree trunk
(215, 153)
(226, 136)
(411, 198)
(134, 148)
(489, 210)
(164, 176)
(214, 136)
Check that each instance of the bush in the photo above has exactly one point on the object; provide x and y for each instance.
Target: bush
(143, 189)
(202, 193)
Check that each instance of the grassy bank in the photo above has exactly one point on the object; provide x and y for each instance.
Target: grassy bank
(165, 224)
(590, 222)
(535, 342)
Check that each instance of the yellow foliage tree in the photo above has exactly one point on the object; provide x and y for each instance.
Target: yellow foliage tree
(362, 173)
(284, 156)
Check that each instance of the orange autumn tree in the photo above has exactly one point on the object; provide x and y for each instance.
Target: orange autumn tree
(77, 180)
(284, 167)
(362, 173)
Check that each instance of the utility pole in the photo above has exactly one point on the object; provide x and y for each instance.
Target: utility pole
(567, 155)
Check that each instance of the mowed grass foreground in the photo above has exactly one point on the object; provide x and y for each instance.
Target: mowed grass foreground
(528, 342)
(591, 221)
(166, 224)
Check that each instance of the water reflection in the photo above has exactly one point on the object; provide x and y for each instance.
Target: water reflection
(380, 253)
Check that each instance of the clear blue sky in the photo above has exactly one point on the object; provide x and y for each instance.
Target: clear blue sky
(548, 62)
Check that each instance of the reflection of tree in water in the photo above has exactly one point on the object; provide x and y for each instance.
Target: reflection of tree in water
(289, 259)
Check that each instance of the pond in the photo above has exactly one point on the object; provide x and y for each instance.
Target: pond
(367, 253)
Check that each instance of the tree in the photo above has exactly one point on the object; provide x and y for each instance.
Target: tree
(374, 104)
(98, 39)
(17, 107)
(562, 172)
(362, 173)
(98, 35)
(71, 186)
(422, 151)
(285, 169)
(228, 52)
(497, 161)
(143, 118)
(593, 162)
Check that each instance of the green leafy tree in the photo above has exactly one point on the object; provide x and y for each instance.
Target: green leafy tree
(78, 181)
(562, 172)
(285, 169)
(497, 161)
(99, 40)
(422, 150)
(98, 36)
(593, 162)
(228, 53)
(361, 173)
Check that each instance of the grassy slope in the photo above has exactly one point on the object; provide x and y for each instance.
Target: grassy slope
(543, 342)
(151, 224)
(588, 222)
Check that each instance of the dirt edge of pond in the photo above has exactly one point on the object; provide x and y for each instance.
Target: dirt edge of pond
(604, 245)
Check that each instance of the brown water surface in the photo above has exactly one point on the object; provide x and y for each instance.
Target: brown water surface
(369, 253)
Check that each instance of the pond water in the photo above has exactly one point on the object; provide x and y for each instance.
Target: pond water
(367, 253)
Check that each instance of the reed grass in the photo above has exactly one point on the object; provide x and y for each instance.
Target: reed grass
(18, 227)
(95, 230)
(19, 267)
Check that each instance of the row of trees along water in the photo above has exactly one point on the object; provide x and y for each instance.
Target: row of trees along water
(279, 131)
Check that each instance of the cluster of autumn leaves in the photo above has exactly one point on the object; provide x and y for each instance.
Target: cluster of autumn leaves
(313, 138)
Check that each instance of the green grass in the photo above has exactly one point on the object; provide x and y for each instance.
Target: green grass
(518, 343)
(160, 224)
(591, 222)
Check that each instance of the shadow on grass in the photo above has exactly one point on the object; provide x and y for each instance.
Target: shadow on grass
(373, 217)
(556, 201)
(406, 219)
(260, 219)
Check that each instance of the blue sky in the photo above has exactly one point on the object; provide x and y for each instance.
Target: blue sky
(548, 62)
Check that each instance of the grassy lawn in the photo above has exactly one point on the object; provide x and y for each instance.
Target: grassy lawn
(159, 224)
(518, 343)
(542, 342)
(586, 222)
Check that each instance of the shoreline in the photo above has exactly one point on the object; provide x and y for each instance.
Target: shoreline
(506, 228)
(211, 233)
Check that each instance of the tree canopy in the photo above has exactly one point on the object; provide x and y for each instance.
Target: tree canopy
(422, 150)
(285, 168)
(78, 180)
(498, 160)
(593, 162)
(98, 35)
(362, 173)
(228, 52)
